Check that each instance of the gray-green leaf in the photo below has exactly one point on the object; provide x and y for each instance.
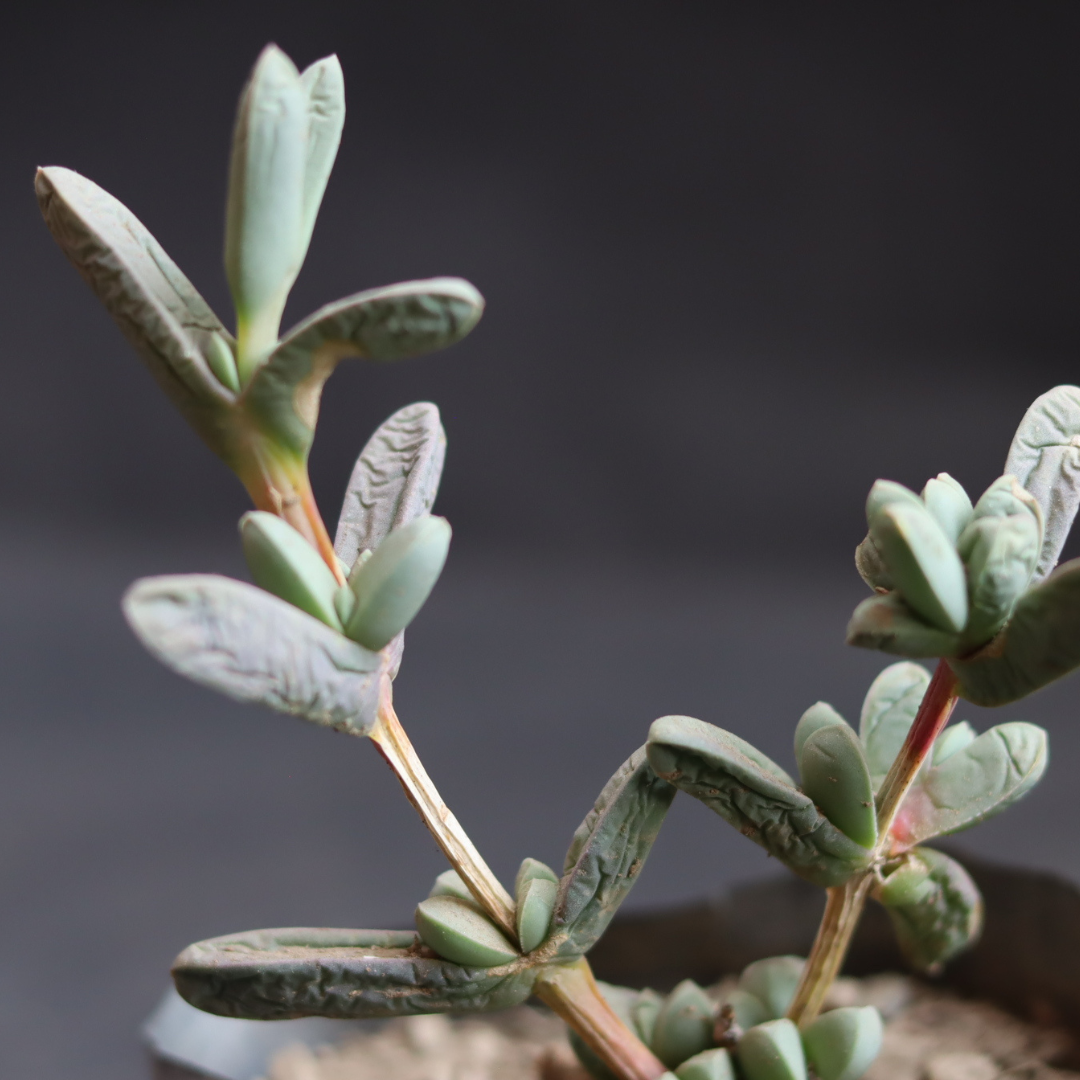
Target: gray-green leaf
(264, 220)
(762, 803)
(835, 775)
(1040, 643)
(157, 308)
(324, 84)
(395, 479)
(888, 712)
(343, 974)
(942, 919)
(608, 851)
(250, 645)
(385, 324)
(974, 783)
(886, 623)
(1045, 458)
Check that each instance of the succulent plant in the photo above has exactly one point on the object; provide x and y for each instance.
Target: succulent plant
(319, 635)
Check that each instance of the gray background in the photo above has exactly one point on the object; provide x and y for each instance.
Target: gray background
(740, 260)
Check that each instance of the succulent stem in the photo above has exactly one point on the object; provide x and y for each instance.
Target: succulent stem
(394, 745)
(937, 706)
(283, 488)
(843, 907)
(844, 904)
(570, 991)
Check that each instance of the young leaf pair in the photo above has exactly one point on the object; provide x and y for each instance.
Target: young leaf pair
(282, 645)
(453, 924)
(982, 590)
(701, 1037)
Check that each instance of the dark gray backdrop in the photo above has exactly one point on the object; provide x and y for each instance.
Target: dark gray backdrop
(740, 260)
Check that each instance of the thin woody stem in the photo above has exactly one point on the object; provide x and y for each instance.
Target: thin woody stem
(845, 902)
(394, 745)
(570, 991)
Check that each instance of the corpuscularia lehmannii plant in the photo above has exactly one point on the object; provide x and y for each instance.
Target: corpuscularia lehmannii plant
(319, 635)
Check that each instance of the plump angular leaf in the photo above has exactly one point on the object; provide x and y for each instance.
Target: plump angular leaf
(1045, 458)
(888, 712)
(773, 981)
(449, 883)
(820, 714)
(385, 324)
(608, 851)
(156, 307)
(842, 1044)
(457, 930)
(392, 585)
(684, 1024)
(715, 1064)
(729, 776)
(283, 563)
(772, 1051)
(923, 563)
(871, 566)
(999, 547)
(1040, 643)
(835, 775)
(747, 1010)
(343, 974)
(886, 623)
(936, 911)
(264, 222)
(535, 906)
(530, 869)
(979, 780)
(324, 84)
(250, 645)
(948, 504)
(395, 479)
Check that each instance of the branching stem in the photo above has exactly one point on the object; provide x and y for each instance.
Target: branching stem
(568, 989)
(844, 903)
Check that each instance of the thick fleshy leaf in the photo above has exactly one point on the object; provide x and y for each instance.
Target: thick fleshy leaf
(324, 84)
(1040, 643)
(264, 221)
(714, 1064)
(457, 930)
(842, 1044)
(392, 585)
(395, 479)
(1045, 458)
(343, 974)
(923, 563)
(157, 308)
(888, 712)
(886, 623)
(772, 1051)
(763, 803)
(820, 714)
(773, 981)
(940, 918)
(955, 737)
(974, 783)
(684, 1024)
(871, 566)
(250, 645)
(385, 324)
(948, 504)
(835, 775)
(608, 851)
